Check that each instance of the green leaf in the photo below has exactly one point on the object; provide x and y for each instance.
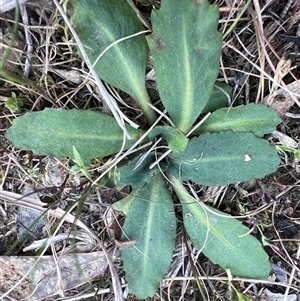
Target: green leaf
(151, 223)
(225, 241)
(222, 238)
(175, 138)
(218, 98)
(75, 169)
(80, 163)
(13, 104)
(285, 149)
(77, 157)
(137, 172)
(185, 48)
(256, 118)
(222, 158)
(125, 204)
(99, 24)
(241, 297)
(54, 133)
(14, 78)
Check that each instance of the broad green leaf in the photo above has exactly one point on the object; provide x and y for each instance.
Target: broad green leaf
(222, 238)
(54, 133)
(185, 48)
(225, 241)
(175, 138)
(151, 223)
(101, 23)
(218, 98)
(136, 172)
(256, 118)
(222, 158)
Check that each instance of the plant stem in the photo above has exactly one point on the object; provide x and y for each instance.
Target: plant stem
(180, 189)
(143, 100)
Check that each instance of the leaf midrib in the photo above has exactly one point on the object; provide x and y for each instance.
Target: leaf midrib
(212, 229)
(222, 124)
(187, 94)
(147, 237)
(133, 78)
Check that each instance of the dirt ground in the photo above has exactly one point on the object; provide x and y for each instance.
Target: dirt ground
(260, 60)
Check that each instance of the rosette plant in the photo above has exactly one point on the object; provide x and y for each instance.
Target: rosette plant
(190, 137)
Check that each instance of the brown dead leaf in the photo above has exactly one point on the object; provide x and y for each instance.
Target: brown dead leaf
(281, 99)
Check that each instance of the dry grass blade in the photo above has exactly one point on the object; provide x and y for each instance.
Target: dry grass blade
(43, 281)
(109, 100)
(62, 215)
(7, 5)
(20, 200)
